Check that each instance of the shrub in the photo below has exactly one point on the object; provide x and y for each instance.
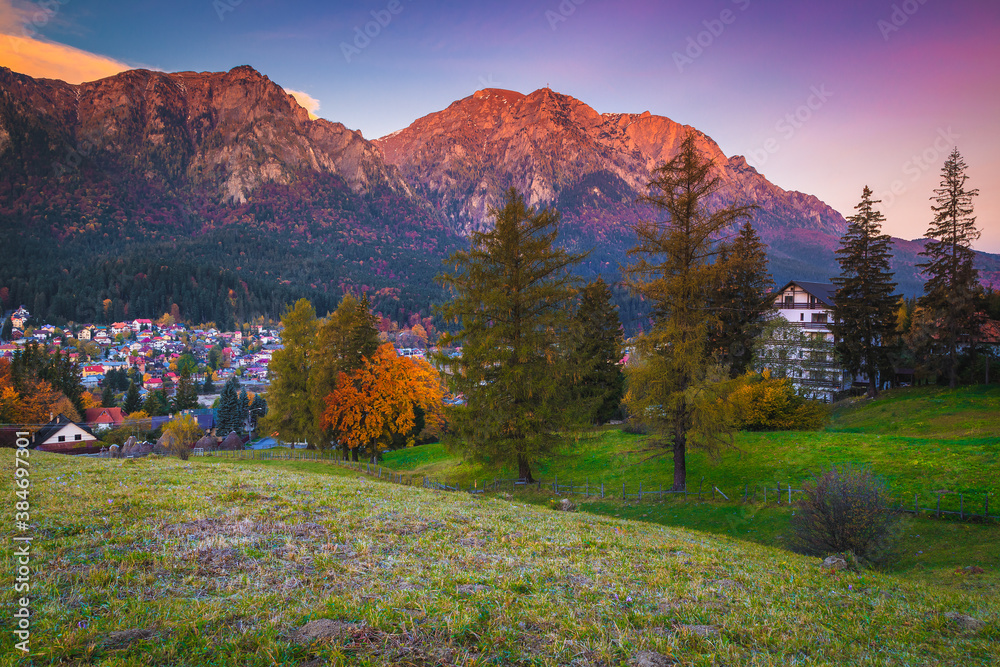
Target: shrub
(845, 510)
(765, 403)
(635, 427)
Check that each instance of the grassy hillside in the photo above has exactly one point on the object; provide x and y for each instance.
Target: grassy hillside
(922, 440)
(157, 562)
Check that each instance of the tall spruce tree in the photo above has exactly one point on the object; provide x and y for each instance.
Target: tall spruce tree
(597, 349)
(741, 301)
(289, 369)
(672, 382)
(512, 297)
(952, 285)
(228, 419)
(258, 410)
(186, 395)
(865, 305)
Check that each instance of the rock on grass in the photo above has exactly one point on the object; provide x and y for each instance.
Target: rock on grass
(963, 623)
(325, 629)
(650, 659)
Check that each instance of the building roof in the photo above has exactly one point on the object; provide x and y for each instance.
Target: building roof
(822, 291)
(54, 426)
(104, 416)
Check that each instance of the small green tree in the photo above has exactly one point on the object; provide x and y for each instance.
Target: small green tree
(865, 306)
(108, 396)
(597, 350)
(186, 395)
(512, 298)
(244, 403)
(289, 371)
(741, 301)
(132, 399)
(228, 419)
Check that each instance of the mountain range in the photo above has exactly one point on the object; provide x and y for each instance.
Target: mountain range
(217, 192)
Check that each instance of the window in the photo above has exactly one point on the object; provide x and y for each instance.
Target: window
(789, 301)
(62, 438)
(802, 317)
(77, 436)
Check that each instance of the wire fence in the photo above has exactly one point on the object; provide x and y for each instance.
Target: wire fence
(965, 506)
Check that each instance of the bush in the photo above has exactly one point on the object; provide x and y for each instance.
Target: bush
(765, 403)
(845, 510)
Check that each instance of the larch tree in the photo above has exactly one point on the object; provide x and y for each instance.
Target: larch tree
(741, 301)
(512, 299)
(865, 304)
(952, 285)
(597, 348)
(288, 394)
(672, 380)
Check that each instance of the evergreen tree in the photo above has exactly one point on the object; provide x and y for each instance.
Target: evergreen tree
(289, 373)
(132, 400)
(8, 329)
(952, 284)
(865, 306)
(741, 301)
(156, 404)
(258, 410)
(597, 350)
(512, 295)
(244, 403)
(208, 386)
(343, 340)
(228, 419)
(108, 396)
(186, 396)
(672, 382)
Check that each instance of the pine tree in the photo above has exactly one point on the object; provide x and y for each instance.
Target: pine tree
(157, 404)
(672, 378)
(742, 300)
(952, 284)
(132, 400)
(288, 395)
(108, 396)
(8, 329)
(865, 306)
(186, 396)
(244, 404)
(258, 410)
(208, 386)
(512, 295)
(228, 419)
(597, 349)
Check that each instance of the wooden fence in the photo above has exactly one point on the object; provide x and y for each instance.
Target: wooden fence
(754, 494)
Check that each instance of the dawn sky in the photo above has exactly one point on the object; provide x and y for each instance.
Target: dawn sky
(822, 97)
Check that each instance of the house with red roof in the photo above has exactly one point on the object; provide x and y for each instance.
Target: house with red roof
(104, 418)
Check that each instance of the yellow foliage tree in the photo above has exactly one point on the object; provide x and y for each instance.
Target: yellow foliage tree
(180, 434)
(375, 404)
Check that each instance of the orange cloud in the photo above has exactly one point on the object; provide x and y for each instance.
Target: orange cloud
(307, 101)
(49, 60)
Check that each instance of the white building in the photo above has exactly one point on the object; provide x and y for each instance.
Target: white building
(812, 367)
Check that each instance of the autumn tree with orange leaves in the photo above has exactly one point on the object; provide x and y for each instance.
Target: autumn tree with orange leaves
(376, 404)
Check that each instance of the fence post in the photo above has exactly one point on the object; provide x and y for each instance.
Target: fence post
(961, 506)
(640, 490)
(916, 505)
(987, 498)
(702, 481)
(987, 515)
(765, 494)
(939, 506)
(555, 485)
(789, 493)
(623, 490)
(661, 492)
